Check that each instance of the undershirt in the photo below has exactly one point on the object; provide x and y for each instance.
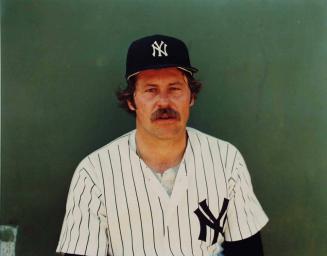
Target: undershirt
(167, 178)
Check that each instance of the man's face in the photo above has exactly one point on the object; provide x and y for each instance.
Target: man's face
(162, 99)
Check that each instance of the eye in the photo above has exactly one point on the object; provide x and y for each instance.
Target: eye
(151, 90)
(174, 88)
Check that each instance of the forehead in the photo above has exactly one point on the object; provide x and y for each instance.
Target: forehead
(162, 74)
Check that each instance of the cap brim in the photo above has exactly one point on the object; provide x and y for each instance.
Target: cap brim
(190, 70)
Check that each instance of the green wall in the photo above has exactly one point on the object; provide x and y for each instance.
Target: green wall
(263, 64)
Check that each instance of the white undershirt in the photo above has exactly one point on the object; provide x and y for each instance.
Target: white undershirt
(167, 178)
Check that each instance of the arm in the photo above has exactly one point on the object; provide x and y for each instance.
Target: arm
(85, 224)
(249, 246)
(245, 216)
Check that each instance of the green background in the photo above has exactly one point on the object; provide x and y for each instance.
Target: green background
(263, 64)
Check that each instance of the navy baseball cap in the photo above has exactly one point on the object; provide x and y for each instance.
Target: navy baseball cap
(157, 51)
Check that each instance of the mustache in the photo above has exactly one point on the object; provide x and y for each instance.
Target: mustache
(165, 113)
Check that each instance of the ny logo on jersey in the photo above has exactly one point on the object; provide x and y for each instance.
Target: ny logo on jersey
(208, 219)
(157, 48)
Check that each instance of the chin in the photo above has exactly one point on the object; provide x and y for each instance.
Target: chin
(168, 131)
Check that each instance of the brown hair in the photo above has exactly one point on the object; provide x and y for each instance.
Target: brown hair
(127, 94)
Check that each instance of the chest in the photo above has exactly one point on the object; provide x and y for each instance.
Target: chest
(142, 217)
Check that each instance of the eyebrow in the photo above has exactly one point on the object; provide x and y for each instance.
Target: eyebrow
(176, 83)
(147, 85)
(173, 83)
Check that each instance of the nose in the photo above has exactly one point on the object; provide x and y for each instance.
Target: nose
(163, 99)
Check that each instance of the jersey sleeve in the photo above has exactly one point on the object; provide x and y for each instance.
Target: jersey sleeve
(245, 216)
(85, 224)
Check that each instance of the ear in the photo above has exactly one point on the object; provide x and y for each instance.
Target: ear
(192, 100)
(131, 105)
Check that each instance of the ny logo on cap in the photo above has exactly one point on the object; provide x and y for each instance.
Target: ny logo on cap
(157, 48)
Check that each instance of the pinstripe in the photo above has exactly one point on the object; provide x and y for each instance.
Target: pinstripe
(111, 142)
(227, 220)
(83, 169)
(224, 169)
(70, 233)
(222, 165)
(88, 157)
(88, 225)
(238, 223)
(204, 172)
(111, 247)
(188, 211)
(189, 221)
(104, 191)
(163, 217)
(98, 229)
(179, 233)
(244, 204)
(234, 162)
(137, 197)
(79, 227)
(88, 231)
(71, 189)
(169, 242)
(237, 218)
(254, 219)
(113, 186)
(245, 180)
(129, 217)
(79, 176)
(226, 156)
(146, 189)
(71, 229)
(185, 168)
(214, 173)
(66, 230)
(248, 183)
(205, 176)
(196, 184)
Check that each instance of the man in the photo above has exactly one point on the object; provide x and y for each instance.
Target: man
(162, 189)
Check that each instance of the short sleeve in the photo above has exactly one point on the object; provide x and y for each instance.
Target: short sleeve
(85, 225)
(245, 216)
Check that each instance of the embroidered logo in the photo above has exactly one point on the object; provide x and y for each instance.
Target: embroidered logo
(208, 219)
(157, 48)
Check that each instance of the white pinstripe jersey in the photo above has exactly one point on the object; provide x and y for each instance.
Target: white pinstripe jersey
(116, 205)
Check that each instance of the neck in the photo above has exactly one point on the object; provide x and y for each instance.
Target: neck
(160, 154)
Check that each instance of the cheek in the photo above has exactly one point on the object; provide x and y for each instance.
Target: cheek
(142, 107)
(138, 102)
(185, 109)
(185, 101)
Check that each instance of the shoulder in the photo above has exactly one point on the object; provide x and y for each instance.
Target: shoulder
(123, 139)
(201, 137)
(224, 154)
(93, 163)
